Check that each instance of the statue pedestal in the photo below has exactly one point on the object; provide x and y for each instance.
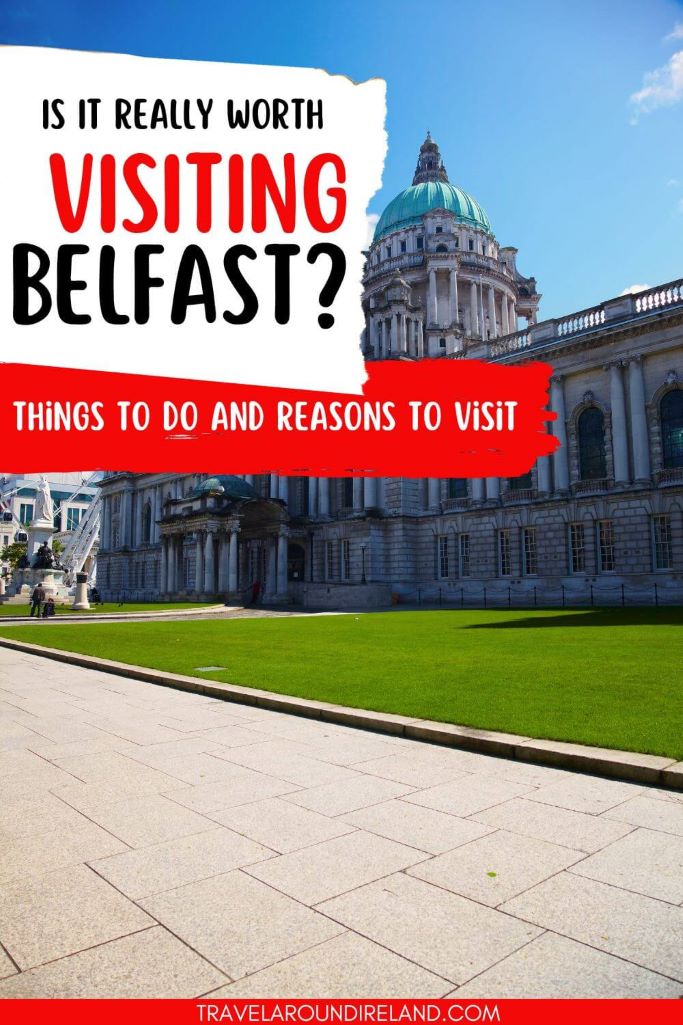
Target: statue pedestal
(51, 577)
(81, 596)
(39, 533)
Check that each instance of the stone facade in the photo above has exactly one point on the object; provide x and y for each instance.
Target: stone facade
(599, 521)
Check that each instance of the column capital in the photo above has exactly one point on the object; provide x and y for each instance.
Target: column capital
(557, 379)
(636, 357)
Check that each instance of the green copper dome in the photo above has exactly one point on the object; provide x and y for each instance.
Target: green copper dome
(232, 487)
(431, 190)
(409, 206)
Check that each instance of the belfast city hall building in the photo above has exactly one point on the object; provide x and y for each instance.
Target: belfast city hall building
(601, 520)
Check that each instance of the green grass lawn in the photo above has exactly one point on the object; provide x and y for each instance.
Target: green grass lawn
(596, 676)
(66, 610)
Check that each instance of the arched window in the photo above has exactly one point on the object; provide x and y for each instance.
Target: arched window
(521, 483)
(457, 487)
(441, 249)
(671, 419)
(591, 429)
(147, 524)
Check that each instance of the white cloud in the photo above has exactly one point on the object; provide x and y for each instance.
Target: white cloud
(677, 32)
(661, 88)
(673, 183)
(634, 289)
(371, 225)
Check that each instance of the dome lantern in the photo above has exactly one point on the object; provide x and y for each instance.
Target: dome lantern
(430, 166)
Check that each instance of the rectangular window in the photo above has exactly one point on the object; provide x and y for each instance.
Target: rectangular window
(504, 553)
(26, 513)
(5, 540)
(606, 546)
(577, 549)
(420, 242)
(662, 554)
(470, 243)
(73, 518)
(529, 551)
(403, 247)
(329, 560)
(388, 252)
(345, 558)
(442, 557)
(438, 230)
(464, 554)
(457, 242)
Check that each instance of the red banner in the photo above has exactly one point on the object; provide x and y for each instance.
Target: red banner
(432, 418)
(347, 1012)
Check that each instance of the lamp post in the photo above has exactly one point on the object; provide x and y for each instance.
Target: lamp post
(362, 552)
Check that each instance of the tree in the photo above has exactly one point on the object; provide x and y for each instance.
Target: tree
(12, 553)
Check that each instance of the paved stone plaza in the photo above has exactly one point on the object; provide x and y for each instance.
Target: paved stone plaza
(155, 843)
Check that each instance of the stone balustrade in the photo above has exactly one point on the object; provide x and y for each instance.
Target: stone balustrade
(620, 309)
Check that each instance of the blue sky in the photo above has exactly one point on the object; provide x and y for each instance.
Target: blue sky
(531, 102)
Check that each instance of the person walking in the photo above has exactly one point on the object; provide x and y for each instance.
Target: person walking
(37, 599)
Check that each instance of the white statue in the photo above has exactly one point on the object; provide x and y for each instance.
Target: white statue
(44, 511)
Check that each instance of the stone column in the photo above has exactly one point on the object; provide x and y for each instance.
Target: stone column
(283, 492)
(492, 489)
(512, 316)
(126, 518)
(420, 339)
(543, 475)
(641, 441)
(170, 563)
(271, 569)
(559, 430)
(477, 489)
(493, 327)
(619, 433)
(274, 486)
(370, 492)
(223, 559)
(433, 300)
(209, 581)
(281, 564)
(104, 512)
(232, 561)
(163, 575)
(156, 516)
(403, 337)
(434, 493)
(452, 295)
(357, 493)
(324, 496)
(312, 497)
(199, 564)
(504, 314)
(474, 315)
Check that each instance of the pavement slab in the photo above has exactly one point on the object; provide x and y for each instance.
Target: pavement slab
(75, 908)
(164, 968)
(238, 923)
(636, 928)
(553, 967)
(496, 867)
(346, 967)
(446, 934)
(316, 873)
(170, 844)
